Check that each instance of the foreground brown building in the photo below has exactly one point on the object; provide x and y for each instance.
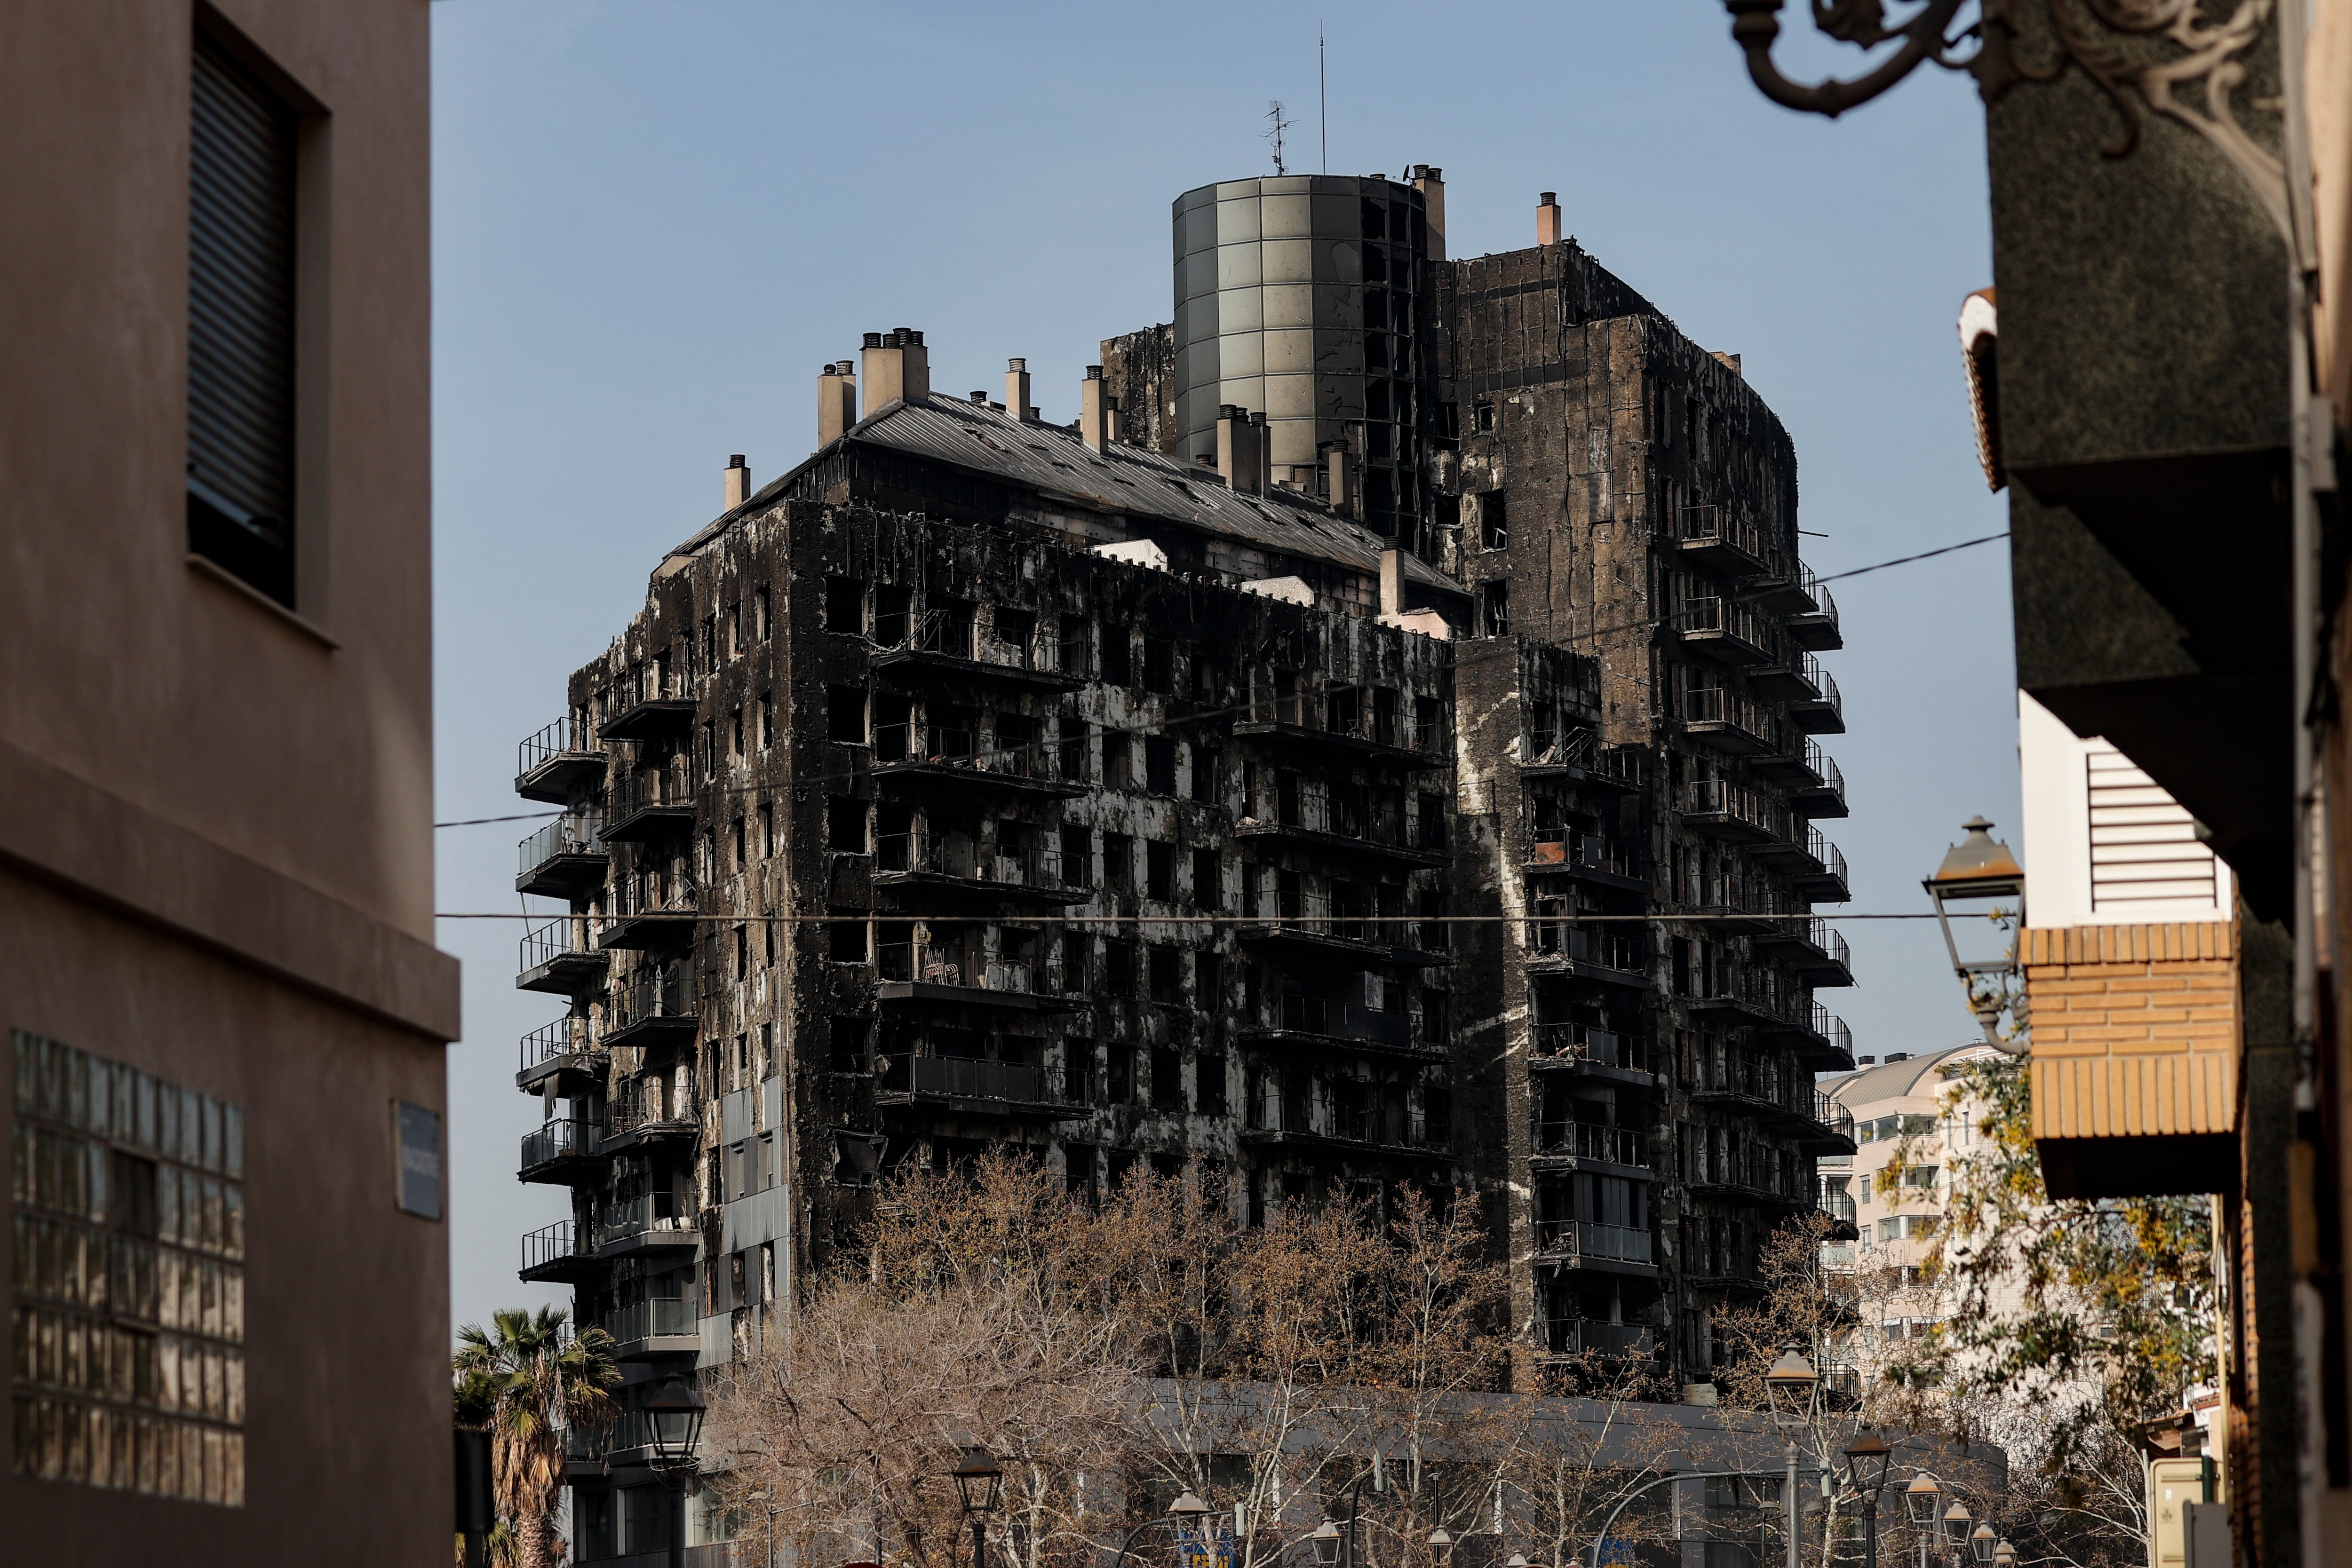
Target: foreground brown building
(225, 1015)
(1309, 772)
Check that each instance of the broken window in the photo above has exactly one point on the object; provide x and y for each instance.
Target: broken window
(845, 935)
(1167, 1080)
(1120, 1083)
(844, 714)
(1016, 636)
(1160, 871)
(1482, 414)
(1494, 523)
(845, 825)
(1209, 1083)
(1118, 863)
(1159, 666)
(949, 626)
(1072, 733)
(1206, 767)
(1077, 856)
(1118, 967)
(767, 720)
(1075, 953)
(1159, 765)
(1078, 1072)
(1208, 879)
(1117, 657)
(1116, 772)
(763, 626)
(1495, 610)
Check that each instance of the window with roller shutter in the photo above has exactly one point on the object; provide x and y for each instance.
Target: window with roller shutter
(241, 349)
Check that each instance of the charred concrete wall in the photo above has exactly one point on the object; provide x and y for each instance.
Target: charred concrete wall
(1139, 373)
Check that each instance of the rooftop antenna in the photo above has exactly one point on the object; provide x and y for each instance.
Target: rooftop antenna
(1273, 133)
(1322, 100)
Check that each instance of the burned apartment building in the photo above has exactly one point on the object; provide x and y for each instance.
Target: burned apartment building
(1402, 778)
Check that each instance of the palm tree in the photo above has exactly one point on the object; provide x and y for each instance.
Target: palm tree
(545, 1384)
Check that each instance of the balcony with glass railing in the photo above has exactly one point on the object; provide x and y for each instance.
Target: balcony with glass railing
(558, 957)
(566, 1050)
(649, 1223)
(644, 1329)
(565, 859)
(561, 1152)
(1585, 1339)
(1585, 1141)
(965, 1084)
(1585, 1045)
(911, 865)
(1567, 1241)
(558, 763)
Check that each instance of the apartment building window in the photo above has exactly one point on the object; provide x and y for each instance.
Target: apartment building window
(1208, 983)
(1079, 1070)
(1208, 879)
(767, 830)
(845, 936)
(1118, 863)
(1074, 963)
(1116, 773)
(1160, 871)
(1118, 967)
(1167, 1080)
(762, 627)
(844, 714)
(844, 818)
(1495, 610)
(1159, 765)
(1119, 1085)
(241, 279)
(1209, 1083)
(734, 627)
(1494, 522)
(740, 837)
(844, 605)
(1117, 657)
(1072, 733)
(1167, 975)
(767, 720)
(1206, 774)
(1159, 666)
(736, 740)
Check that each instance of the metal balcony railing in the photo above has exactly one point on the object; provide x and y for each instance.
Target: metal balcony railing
(957, 745)
(1035, 866)
(663, 992)
(1622, 1243)
(1826, 684)
(1711, 704)
(643, 1320)
(1394, 1126)
(566, 936)
(672, 893)
(565, 1136)
(1582, 1337)
(1558, 936)
(1371, 823)
(1582, 1042)
(1824, 767)
(567, 835)
(649, 1213)
(1833, 1115)
(1839, 1205)
(1834, 1029)
(552, 1244)
(1818, 592)
(1730, 620)
(1620, 1145)
(634, 792)
(1340, 1021)
(562, 738)
(937, 965)
(1712, 522)
(963, 1077)
(1721, 797)
(567, 1036)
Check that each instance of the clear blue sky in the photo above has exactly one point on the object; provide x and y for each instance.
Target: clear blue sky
(653, 222)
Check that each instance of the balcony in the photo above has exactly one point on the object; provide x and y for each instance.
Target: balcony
(1843, 1216)
(1585, 1048)
(947, 755)
(1584, 857)
(642, 1122)
(956, 872)
(937, 646)
(652, 911)
(1726, 722)
(1819, 791)
(1823, 1043)
(1823, 714)
(561, 1153)
(1344, 723)
(1757, 1188)
(563, 1050)
(1583, 1339)
(646, 1226)
(655, 806)
(1828, 1130)
(656, 1007)
(1316, 823)
(1811, 947)
(1824, 881)
(554, 1255)
(1583, 1141)
(1722, 809)
(556, 959)
(1314, 924)
(558, 765)
(1324, 1123)
(648, 1329)
(1579, 757)
(1559, 945)
(952, 973)
(969, 1086)
(1583, 1244)
(654, 706)
(1815, 626)
(1727, 631)
(1712, 536)
(1333, 1025)
(565, 859)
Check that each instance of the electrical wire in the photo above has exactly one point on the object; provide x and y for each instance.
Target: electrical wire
(1299, 923)
(1460, 661)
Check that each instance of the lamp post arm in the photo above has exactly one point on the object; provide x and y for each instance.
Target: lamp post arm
(1675, 1476)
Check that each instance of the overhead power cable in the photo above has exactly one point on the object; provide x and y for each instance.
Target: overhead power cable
(1460, 661)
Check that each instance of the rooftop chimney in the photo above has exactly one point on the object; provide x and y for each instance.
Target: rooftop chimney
(1017, 390)
(1431, 182)
(897, 368)
(836, 400)
(1096, 419)
(1548, 219)
(1262, 443)
(1339, 486)
(738, 481)
(1235, 459)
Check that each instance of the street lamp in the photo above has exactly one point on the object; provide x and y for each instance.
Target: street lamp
(1441, 1546)
(1191, 1514)
(1957, 1520)
(1866, 1459)
(2004, 1555)
(675, 1417)
(1792, 1387)
(979, 1478)
(1982, 1542)
(1326, 1543)
(1979, 867)
(1919, 1500)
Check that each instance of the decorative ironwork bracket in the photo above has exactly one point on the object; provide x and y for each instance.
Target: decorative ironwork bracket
(2086, 32)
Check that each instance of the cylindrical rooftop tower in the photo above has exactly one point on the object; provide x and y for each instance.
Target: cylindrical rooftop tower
(1305, 297)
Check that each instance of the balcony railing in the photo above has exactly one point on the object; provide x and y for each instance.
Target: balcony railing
(648, 1320)
(1582, 1337)
(663, 993)
(1393, 1125)
(567, 1036)
(1339, 1020)
(930, 964)
(1558, 936)
(561, 738)
(1710, 705)
(1580, 851)
(1831, 859)
(670, 894)
(957, 745)
(1834, 1029)
(552, 1244)
(1343, 819)
(565, 1137)
(962, 1077)
(1833, 1115)
(567, 835)
(1036, 866)
(1712, 522)
(1585, 1238)
(1619, 1145)
(1582, 1042)
(1734, 621)
(1840, 1205)
(1824, 767)
(564, 936)
(635, 792)
(653, 1212)
(1732, 802)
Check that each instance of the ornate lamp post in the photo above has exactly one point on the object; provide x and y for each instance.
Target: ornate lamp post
(979, 1478)
(1866, 1459)
(1919, 1500)
(1977, 868)
(1957, 1520)
(1441, 1547)
(1983, 1542)
(1793, 1387)
(2004, 1555)
(1326, 1543)
(677, 1420)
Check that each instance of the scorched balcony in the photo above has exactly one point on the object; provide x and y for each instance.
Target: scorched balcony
(557, 764)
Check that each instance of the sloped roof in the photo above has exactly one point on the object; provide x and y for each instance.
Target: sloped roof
(1913, 1076)
(1053, 461)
